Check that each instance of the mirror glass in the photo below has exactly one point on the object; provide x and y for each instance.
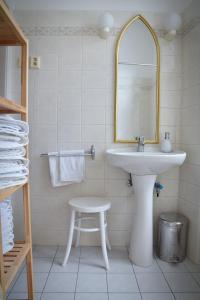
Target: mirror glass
(137, 83)
(10, 74)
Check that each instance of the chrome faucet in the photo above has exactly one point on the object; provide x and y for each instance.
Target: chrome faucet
(140, 140)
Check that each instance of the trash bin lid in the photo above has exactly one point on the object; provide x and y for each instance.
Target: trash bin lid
(173, 218)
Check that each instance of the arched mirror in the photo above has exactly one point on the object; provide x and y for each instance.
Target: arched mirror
(137, 83)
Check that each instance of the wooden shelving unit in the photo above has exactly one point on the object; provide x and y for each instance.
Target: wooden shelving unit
(10, 263)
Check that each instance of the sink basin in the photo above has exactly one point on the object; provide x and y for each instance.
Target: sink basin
(145, 163)
(144, 167)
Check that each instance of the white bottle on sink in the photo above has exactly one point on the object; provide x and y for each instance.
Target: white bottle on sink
(166, 145)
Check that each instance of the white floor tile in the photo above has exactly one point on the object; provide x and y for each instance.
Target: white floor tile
(71, 266)
(91, 283)
(44, 251)
(187, 296)
(173, 268)
(182, 282)
(154, 268)
(197, 277)
(57, 296)
(125, 296)
(61, 283)
(91, 296)
(157, 296)
(16, 296)
(120, 265)
(85, 272)
(118, 252)
(75, 252)
(39, 282)
(92, 265)
(41, 265)
(192, 267)
(88, 252)
(122, 283)
(152, 282)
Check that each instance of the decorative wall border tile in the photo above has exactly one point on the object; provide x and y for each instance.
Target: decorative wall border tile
(63, 31)
(92, 31)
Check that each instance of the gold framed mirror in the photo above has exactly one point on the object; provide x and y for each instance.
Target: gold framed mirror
(137, 83)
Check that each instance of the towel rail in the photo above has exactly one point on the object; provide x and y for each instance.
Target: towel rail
(90, 152)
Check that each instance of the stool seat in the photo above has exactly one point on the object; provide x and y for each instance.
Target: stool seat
(90, 204)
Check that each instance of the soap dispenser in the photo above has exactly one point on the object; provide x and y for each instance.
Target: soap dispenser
(166, 145)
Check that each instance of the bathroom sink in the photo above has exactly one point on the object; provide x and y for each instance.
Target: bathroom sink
(145, 163)
(144, 167)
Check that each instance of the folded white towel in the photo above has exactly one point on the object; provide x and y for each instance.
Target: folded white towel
(13, 165)
(10, 125)
(14, 153)
(6, 225)
(8, 182)
(12, 142)
(66, 170)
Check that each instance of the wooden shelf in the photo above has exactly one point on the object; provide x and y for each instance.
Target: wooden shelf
(10, 107)
(4, 193)
(12, 261)
(10, 32)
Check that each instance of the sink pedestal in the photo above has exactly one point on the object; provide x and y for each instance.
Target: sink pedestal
(141, 244)
(142, 165)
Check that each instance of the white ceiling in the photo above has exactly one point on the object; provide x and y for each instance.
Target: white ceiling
(125, 5)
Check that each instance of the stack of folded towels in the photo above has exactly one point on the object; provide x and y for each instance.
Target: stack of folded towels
(6, 216)
(13, 139)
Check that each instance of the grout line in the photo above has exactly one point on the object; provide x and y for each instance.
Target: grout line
(165, 278)
(49, 272)
(136, 279)
(193, 277)
(79, 259)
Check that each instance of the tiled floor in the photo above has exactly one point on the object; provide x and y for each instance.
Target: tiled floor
(84, 277)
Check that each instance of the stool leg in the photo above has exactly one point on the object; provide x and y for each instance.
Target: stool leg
(103, 239)
(70, 237)
(78, 231)
(107, 239)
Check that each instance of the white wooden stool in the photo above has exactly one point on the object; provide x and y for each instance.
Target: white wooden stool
(88, 205)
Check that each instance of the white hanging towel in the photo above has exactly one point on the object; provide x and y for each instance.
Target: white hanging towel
(65, 170)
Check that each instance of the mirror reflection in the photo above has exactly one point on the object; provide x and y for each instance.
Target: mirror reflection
(137, 84)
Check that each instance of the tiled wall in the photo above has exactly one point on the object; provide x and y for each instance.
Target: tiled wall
(189, 203)
(71, 106)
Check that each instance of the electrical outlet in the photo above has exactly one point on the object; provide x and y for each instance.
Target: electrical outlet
(34, 62)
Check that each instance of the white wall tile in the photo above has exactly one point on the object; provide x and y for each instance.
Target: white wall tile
(69, 97)
(69, 133)
(94, 79)
(190, 140)
(94, 52)
(69, 79)
(93, 133)
(46, 79)
(93, 115)
(94, 97)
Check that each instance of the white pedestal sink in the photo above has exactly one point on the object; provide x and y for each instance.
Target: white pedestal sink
(144, 167)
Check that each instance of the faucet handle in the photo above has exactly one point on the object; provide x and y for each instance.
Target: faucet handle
(140, 139)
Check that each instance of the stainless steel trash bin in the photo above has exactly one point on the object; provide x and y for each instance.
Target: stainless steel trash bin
(172, 237)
